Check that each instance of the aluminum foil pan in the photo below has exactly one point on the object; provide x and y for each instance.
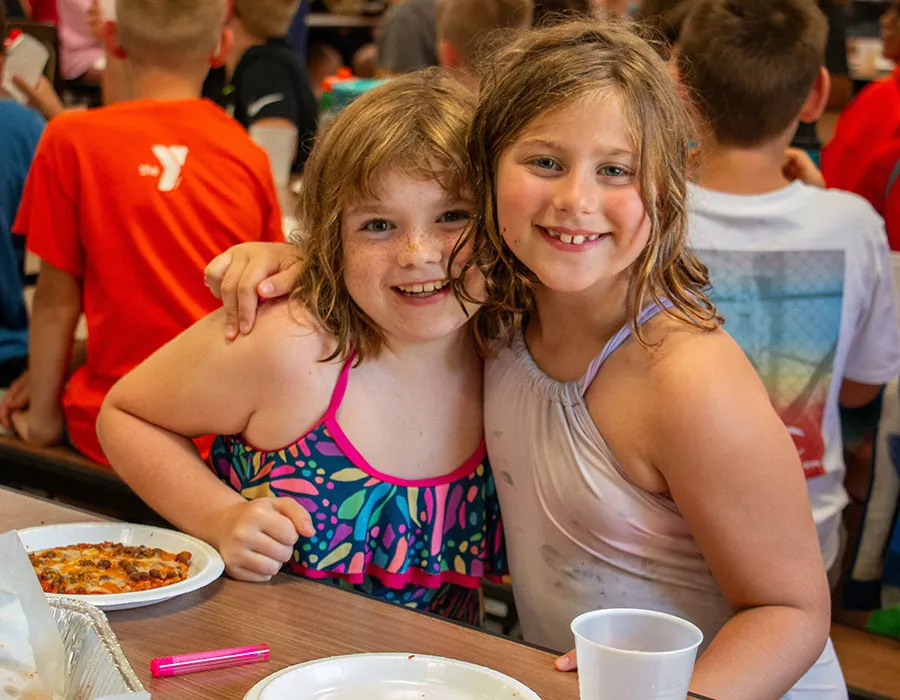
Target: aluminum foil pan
(95, 664)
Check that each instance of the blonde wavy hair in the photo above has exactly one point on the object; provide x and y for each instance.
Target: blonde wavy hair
(548, 69)
(415, 125)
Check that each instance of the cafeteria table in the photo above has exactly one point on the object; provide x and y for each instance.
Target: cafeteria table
(299, 619)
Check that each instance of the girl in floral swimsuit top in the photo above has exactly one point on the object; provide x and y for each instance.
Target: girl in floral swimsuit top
(351, 445)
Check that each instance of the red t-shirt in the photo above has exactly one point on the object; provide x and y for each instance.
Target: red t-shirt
(44, 11)
(134, 200)
(870, 120)
(880, 185)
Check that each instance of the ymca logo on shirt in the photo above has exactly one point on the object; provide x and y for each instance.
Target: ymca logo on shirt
(171, 162)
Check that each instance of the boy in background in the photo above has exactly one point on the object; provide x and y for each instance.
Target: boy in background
(407, 39)
(661, 22)
(124, 205)
(22, 128)
(464, 28)
(263, 83)
(801, 274)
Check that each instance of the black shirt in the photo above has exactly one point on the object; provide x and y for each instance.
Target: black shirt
(13, 9)
(269, 82)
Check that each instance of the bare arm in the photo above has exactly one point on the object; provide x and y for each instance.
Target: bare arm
(41, 97)
(855, 395)
(57, 307)
(734, 473)
(19, 395)
(201, 384)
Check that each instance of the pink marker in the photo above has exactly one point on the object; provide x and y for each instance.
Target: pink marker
(208, 660)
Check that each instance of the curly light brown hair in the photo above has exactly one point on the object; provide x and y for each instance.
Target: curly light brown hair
(543, 71)
(416, 125)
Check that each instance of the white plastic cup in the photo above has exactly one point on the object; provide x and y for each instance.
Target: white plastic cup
(280, 143)
(626, 654)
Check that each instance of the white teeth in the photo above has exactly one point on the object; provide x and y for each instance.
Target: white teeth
(423, 289)
(572, 240)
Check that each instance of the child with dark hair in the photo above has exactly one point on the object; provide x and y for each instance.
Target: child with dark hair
(263, 83)
(801, 274)
(661, 22)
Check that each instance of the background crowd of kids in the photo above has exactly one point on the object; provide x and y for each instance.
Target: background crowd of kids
(577, 305)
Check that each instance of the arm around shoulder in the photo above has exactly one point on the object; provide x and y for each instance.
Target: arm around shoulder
(197, 384)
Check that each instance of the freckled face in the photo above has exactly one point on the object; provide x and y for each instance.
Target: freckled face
(396, 255)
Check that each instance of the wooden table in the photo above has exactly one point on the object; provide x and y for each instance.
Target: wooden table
(298, 619)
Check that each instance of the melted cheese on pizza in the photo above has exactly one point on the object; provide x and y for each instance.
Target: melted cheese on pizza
(107, 567)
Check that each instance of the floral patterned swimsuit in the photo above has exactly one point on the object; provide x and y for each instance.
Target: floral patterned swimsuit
(425, 543)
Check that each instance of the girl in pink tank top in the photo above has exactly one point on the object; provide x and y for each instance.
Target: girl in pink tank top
(350, 442)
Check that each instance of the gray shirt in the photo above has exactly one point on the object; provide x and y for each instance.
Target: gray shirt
(408, 38)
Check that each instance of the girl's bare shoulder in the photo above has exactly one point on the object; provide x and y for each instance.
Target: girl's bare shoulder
(288, 326)
(699, 372)
(287, 342)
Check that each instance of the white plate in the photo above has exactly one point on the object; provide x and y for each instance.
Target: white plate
(389, 677)
(206, 564)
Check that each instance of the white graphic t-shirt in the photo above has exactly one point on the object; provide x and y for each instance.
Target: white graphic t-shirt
(803, 278)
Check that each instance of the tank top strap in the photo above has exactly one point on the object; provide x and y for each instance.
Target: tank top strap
(615, 343)
(340, 388)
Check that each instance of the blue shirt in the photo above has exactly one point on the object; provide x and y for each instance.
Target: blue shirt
(22, 129)
(298, 34)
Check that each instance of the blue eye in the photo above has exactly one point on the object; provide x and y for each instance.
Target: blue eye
(377, 226)
(545, 163)
(614, 171)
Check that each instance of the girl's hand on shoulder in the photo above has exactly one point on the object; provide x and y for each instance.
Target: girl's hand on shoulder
(246, 273)
(255, 538)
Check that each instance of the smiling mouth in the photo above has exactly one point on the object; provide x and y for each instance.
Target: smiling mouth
(427, 289)
(571, 240)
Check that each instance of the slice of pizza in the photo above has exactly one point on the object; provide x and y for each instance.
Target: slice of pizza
(107, 567)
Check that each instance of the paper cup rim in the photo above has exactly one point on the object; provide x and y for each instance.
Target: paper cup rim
(649, 613)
